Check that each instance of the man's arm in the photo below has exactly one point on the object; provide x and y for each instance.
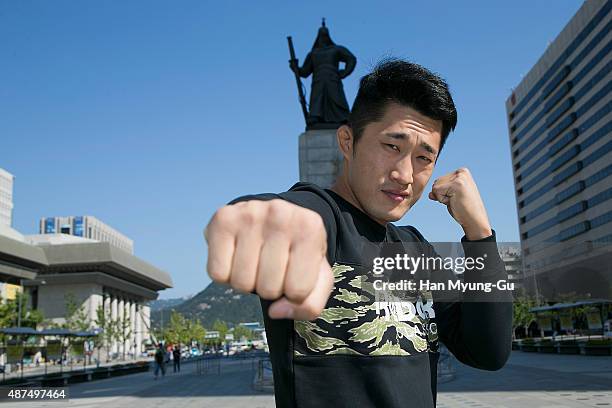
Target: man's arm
(477, 326)
(477, 329)
(266, 244)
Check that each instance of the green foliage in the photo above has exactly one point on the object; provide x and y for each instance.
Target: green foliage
(221, 327)
(124, 325)
(197, 331)
(521, 316)
(241, 331)
(183, 331)
(110, 329)
(599, 342)
(177, 329)
(76, 315)
(9, 310)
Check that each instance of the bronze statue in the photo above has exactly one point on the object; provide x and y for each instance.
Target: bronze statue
(328, 106)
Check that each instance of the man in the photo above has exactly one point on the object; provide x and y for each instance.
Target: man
(301, 252)
(176, 356)
(159, 361)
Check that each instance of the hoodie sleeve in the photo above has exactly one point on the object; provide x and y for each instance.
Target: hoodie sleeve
(477, 326)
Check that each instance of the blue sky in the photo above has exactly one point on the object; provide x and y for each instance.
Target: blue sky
(151, 115)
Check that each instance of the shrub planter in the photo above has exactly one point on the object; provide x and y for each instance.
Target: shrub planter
(77, 377)
(568, 347)
(596, 348)
(55, 380)
(101, 372)
(528, 346)
(546, 347)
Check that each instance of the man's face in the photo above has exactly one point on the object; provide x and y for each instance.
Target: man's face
(393, 161)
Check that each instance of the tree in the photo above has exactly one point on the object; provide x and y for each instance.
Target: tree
(221, 327)
(177, 330)
(197, 331)
(76, 315)
(109, 333)
(241, 331)
(521, 316)
(9, 310)
(125, 330)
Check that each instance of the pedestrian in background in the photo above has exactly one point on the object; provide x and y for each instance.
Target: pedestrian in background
(159, 361)
(176, 355)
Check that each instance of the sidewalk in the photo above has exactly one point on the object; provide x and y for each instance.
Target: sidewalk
(232, 388)
(529, 380)
(532, 380)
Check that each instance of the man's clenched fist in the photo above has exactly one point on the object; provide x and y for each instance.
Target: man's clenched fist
(458, 191)
(275, 248)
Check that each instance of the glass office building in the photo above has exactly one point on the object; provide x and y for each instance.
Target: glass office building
(561, 141)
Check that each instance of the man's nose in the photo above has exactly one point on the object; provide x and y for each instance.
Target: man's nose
(402, 173)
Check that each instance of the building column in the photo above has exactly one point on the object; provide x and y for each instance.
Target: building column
(133, 347)
(121, 316)
(114, 319)
(138, 325)
(95, 301)
(107, 301)
(127, 344)
(146, 321)
(106, 304)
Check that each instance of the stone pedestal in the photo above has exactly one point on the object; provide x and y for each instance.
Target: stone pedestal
(320, 157)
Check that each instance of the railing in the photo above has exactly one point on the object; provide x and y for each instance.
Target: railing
(264, 380)
(207, 365)
(27, 366)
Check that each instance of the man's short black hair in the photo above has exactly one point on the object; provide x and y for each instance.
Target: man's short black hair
(405, 83)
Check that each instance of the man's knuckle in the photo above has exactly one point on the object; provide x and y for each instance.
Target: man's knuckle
(268, 292)
(251, 214)
(278, 217)
(297, 292)
(222, 217)
(216, 276)
(312, 221)
(244, 285)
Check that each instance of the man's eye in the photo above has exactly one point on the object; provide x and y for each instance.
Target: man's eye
(392, 146)
(427, 159)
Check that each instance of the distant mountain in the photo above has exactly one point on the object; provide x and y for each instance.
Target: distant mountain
(158, 304)
(215, 302)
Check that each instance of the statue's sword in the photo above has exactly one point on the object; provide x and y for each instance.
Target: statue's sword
(294, 61)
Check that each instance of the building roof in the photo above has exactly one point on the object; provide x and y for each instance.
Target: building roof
(558, 306)
(104, 257)
(21, 260)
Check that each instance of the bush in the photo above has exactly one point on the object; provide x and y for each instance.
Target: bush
(599, 342)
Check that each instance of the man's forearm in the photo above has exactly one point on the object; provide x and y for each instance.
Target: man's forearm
(478, 328)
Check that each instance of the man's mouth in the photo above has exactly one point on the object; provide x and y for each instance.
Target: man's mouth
(397, 197)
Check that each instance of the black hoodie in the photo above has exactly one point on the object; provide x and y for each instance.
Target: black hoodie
(351, 356)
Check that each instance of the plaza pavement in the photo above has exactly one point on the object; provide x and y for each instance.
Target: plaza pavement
(527, 380)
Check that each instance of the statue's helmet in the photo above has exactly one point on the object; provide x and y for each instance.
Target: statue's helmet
(323, 38)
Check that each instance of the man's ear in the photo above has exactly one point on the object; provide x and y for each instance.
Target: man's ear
(344, 136)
